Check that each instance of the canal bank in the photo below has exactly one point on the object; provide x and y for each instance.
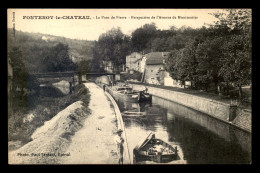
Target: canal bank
(94, 143)
(212, 125)
(221, 110)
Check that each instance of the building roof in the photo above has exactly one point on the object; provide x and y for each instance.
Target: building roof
(154, 58)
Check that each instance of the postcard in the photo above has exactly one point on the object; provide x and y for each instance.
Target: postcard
(129, 86)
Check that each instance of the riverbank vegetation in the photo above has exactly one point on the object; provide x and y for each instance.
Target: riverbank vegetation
(22, 124)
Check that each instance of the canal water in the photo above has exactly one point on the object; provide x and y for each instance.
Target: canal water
(200, 138)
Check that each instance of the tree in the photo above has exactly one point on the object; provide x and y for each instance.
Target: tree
(219, 53)
(208, 54)
(182, 64)
(112, 46)
(20, 74)
(141, 37)
(174, 64)
(22, 81)
(58, 60)
(84, 67)
(236, 62)
(237, 20)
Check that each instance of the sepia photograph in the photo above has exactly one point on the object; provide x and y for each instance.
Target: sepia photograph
(128, 86)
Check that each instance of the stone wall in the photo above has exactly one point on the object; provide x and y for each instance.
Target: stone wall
(221, 129)
(217, 127)
(213, 108)
(243, 119)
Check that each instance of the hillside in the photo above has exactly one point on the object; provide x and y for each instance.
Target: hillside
(78, 49)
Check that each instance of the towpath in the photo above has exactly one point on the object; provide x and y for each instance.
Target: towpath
(93, 143)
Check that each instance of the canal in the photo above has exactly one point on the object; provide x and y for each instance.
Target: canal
(200, 138)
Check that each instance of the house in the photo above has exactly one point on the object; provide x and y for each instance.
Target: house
(133, 61)
(153, 65)
(154, 71)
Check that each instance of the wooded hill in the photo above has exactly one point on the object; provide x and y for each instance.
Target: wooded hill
(36, 47)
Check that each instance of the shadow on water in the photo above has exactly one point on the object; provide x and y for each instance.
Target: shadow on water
(215, 131)
(203, 139)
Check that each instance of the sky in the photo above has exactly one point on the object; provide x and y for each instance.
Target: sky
(93, 22)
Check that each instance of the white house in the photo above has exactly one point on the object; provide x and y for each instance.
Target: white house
(153, 65)
(133, 61)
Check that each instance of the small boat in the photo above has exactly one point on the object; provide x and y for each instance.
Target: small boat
(127, 93)
(155, 150)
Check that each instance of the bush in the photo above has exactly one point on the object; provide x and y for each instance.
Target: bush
(82, 93)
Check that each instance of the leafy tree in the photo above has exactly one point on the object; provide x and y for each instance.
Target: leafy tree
(173, 64)
(58, 60)
(189, 62)
(111, 46)
(237, 20)
(181, 64)
(236, 62)
(141, 37)
(20, 74)
(84, 67)
(219, 53)
(208, 54)
(21, 81)
(97, 58)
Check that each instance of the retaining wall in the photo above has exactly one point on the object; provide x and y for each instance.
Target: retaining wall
(213, 108)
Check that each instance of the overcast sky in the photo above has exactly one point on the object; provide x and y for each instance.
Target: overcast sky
(90, 29)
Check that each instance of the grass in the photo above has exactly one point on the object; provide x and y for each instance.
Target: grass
(45, 109)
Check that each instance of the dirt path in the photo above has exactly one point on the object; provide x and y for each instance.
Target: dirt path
(93, 144)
